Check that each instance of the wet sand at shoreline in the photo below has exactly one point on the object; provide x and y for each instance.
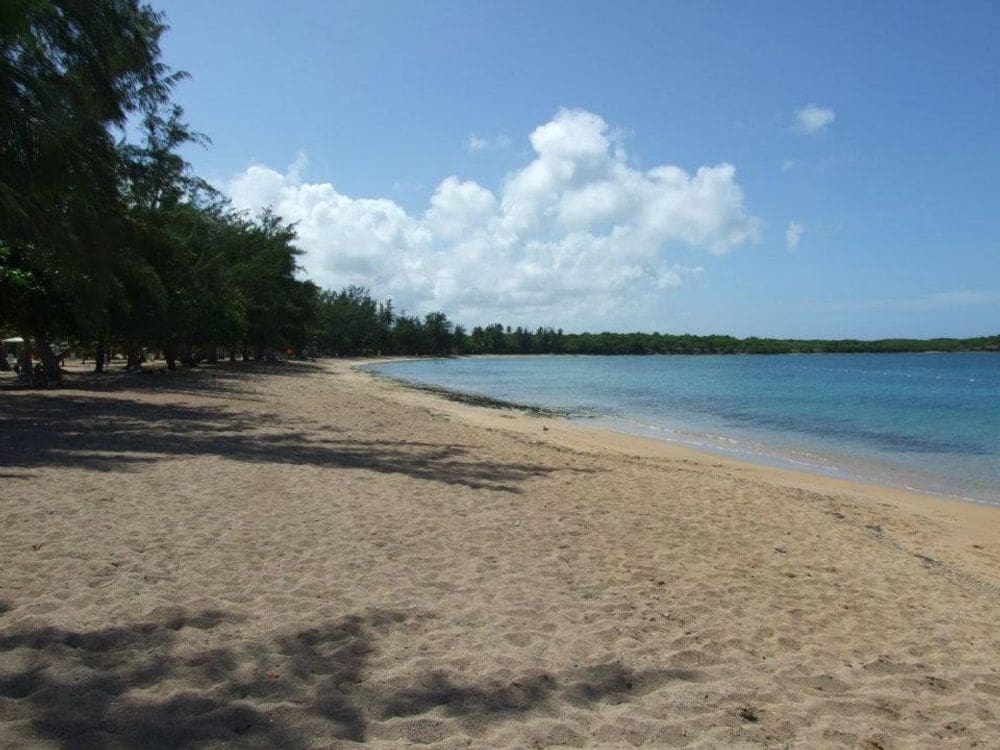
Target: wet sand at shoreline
(310, 557)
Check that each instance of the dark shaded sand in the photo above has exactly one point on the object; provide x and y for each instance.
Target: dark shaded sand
(309, 558)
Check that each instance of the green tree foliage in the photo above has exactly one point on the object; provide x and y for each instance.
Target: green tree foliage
(70, 72)
(351, 322)
(110, 245)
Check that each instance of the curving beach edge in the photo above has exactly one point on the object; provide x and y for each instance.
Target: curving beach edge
(310, 556)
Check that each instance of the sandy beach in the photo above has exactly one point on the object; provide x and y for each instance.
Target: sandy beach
(307, 556)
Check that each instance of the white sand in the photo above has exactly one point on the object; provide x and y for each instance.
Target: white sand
(311, 558)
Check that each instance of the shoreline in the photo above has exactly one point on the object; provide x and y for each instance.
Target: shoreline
(777, 460)
(310, 556)
(466, 397)
(970, 523)
(773, 460)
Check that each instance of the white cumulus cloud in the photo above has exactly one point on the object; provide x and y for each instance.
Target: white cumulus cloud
(793, 234)
(813, 119)
(576, 236)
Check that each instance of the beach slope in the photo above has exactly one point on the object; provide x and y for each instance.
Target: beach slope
(306, 556)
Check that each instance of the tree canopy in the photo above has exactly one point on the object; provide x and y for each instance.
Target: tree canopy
(106, 244)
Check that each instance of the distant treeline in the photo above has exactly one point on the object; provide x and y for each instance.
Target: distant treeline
(353, 323)
(547, 341)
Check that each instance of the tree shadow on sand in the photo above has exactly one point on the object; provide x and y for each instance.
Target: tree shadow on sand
(229, 380)
(152, 684)
(116, 434)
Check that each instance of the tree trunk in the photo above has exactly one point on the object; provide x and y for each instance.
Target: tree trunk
(99, 354)
(213, 356)
(133, 359)
(53, 373)
(170, 356)
(4, 364)
(232, 355)
(25, 365)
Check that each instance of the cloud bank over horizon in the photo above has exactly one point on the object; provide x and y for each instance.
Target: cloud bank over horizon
(572, 237)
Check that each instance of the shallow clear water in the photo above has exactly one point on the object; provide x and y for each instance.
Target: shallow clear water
(926, 421)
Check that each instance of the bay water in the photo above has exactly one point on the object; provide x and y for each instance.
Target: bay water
(929, 422)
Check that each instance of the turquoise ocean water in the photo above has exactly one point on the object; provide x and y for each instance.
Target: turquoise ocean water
(930, 422)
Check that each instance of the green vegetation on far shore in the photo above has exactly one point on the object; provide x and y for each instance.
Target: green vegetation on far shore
(353, 323)
(545, 341)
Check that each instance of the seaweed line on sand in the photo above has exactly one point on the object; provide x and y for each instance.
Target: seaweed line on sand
(472, 399)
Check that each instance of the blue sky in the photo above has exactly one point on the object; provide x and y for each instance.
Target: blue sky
(771, 169)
